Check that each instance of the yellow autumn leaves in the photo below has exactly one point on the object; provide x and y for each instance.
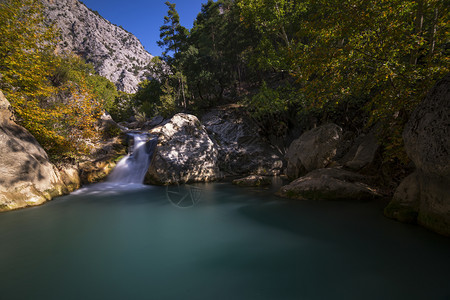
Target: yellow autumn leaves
(60, 112)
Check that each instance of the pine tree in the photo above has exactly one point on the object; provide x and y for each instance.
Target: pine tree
(172, 34)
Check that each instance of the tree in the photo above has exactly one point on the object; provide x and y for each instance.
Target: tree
(26, 64)
(214, 61)
(173, 36)
(384, 55)
(388, 53)
(56, 98)
(25, 49)
(278, 22)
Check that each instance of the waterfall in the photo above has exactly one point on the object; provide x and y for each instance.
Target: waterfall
(133, 167)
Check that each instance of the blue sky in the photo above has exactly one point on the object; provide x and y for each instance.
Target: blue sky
(144, 17)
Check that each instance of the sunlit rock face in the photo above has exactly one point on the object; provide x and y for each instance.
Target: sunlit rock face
(425, 195)
(26, 175)
(185, 153)
(115, 53)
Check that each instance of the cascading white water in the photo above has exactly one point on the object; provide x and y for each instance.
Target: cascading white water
(130, 171)
(133, 167)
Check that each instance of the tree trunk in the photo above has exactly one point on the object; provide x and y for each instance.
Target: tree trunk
(417, 30)
(433, 32)
(200, 91)
(239, 80)
(182, 91)
(283, 30)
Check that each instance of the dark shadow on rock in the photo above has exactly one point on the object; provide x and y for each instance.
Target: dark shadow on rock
(11, 129)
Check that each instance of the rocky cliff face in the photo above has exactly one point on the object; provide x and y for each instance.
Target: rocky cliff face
(115, 53)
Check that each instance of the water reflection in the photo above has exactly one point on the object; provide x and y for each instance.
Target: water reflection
(110, 189)
(179, 195)
(183, 196)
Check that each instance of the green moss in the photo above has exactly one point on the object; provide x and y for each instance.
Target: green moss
(117, 159)
(56, 191)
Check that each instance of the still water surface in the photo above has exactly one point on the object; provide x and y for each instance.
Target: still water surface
(215, 241)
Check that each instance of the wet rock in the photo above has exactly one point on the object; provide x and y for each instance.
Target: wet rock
(70, 176)
(330, 184)
(427, 133)
(102, 160)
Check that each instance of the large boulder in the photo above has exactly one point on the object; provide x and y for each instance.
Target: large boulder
(405, 203)
(6, 115)
(427, 143)
(242, 150)
(365, 148)
(26, 175)
(314, 149)
(108, 127)
(102, 159)
(330, 184)
(184, 153)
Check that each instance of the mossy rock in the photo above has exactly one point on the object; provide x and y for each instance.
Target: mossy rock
(3, 207)
(402, 213)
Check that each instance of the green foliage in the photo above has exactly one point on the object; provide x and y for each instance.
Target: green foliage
(159, 97)
(209, 61)
(25, 49)
(103, 89)
(275, 110)
(123, 106)
(173, 35)
(268, 101)
(57, 98)
(156, 98)
(168, 100)
(277, 22)
(148, 96)
(71, 68)
(387, 53)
